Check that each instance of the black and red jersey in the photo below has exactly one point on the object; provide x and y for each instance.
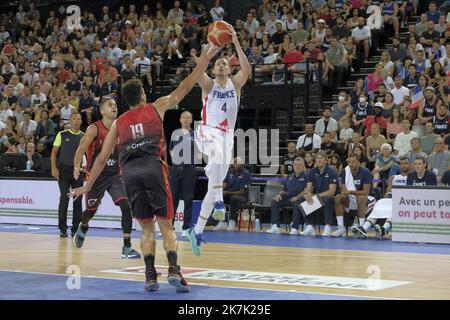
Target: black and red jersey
(141, 134)
(112, 165)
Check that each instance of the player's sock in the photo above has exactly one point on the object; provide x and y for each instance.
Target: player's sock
(367, 225)
(84, 227)
(361, 221)
(201, 223)
(387, 226)
(149, 260)
(127, 241)
(340, 221)
(218, 194)
(87, 215)
(127, 219)
(172, 258)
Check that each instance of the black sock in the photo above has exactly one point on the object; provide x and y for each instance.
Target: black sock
(172, 257)
(127, 241)
(84, 228)
(149, 260)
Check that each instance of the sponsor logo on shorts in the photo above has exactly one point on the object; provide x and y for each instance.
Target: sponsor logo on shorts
(92, 202)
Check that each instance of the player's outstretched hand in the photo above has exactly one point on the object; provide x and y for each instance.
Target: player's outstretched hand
(209, 51)
(75, 193)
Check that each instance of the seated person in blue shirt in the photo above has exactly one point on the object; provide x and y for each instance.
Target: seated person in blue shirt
(293, 190)
(322, 182)
(421, 176)
(235, 193)
(355, 187)
(446, 178)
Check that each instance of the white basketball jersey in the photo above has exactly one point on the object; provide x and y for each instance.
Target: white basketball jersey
(399, 180)
(220, 107)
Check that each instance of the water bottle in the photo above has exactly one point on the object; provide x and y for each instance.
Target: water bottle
(29, 165)
(257, 225)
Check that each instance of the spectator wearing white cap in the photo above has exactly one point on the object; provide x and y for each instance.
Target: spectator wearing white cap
(319, 32)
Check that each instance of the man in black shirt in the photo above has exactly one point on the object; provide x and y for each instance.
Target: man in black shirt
(128, 73)
(74, 84)
(278, 36)
(427, 37)
(287, 162)
(66, 144)
(328, 146)
(86, 107)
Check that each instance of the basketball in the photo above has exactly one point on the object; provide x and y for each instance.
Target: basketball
(219, 33)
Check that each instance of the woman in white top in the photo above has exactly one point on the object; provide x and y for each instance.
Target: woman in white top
(388, 65)
(319, 32)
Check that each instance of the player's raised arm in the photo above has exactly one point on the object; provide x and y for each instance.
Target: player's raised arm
(100, 161)
(167, 102)
(89, 136)
(242, 76)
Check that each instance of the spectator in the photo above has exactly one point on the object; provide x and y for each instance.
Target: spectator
(441, 121)
(433, 14)
(399, 92)
(339, 109)
(278, 37)
(21, 146)
(446, 178)
(42, 150)
(403, 140)
(390, 10)
(176, 13)
(326, 124)
(439, 161)
(429, 35)
(362, 35)
(34, 157)
(290, 196)
(300, 35)
(109, 88)
(309, 141)
(340, 30)
(394, 125)
(328, 146)
(337, 57)
(107, 69)
(428, 140)
(377, 118)
(86, 107)
(66, 111)
(374, 143)
(217, 12)
(355, 187)
(287, 166)
(38, 98)
(74, 84)
(322, 182)
(45, 130)
(272, 24)
(30, 78)
(415, 152)
(427, 110)
(385, 165)
(127, 72)
(361, 110)
(421, 176)
(397, 53)
(27, 126)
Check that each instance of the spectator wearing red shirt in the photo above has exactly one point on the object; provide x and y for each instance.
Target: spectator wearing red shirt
(293, 56)
(377, 118)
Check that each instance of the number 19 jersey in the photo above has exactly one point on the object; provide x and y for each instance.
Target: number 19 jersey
(220, 107)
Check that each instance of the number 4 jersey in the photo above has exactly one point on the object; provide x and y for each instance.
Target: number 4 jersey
(141, 134)
(220, 107)
(112, 165)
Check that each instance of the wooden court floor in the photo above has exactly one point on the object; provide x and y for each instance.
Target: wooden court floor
(424, 276)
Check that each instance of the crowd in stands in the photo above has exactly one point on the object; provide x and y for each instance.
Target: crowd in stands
(50, 70)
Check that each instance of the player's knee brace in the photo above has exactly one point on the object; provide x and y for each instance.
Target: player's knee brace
(127, 219)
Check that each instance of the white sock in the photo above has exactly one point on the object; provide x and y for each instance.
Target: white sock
(387, 226)
(201, 223)
(340, 221)
(367, 225)
(361, 221)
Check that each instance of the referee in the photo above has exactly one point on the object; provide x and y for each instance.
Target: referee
(66, 144)
(184, 174)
